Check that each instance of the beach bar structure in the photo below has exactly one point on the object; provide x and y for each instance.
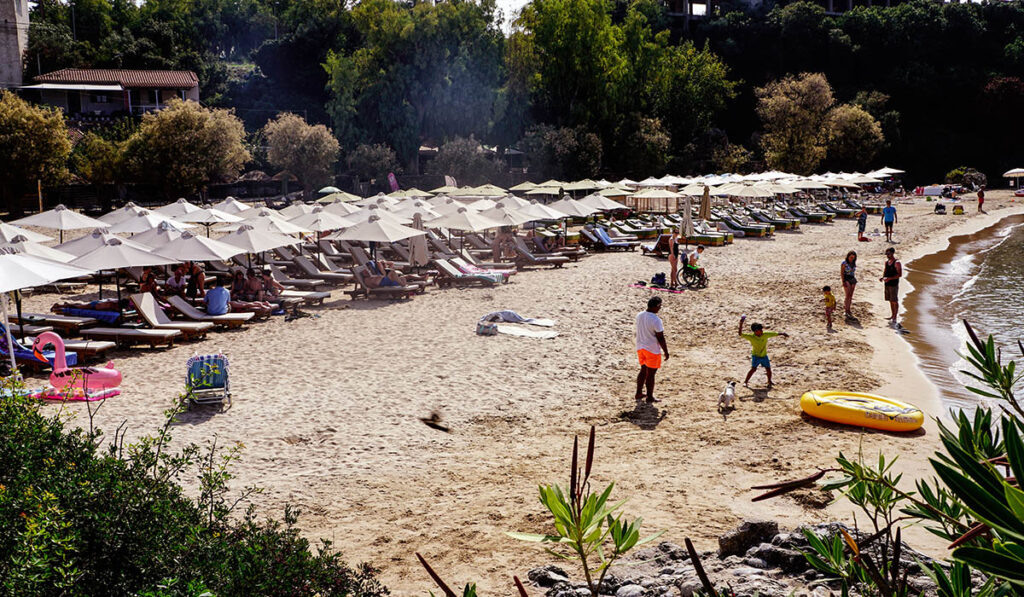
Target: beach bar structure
(103, 92)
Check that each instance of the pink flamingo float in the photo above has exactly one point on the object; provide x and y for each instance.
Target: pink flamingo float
(77, 383)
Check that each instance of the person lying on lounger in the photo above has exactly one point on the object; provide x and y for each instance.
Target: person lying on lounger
(382, 274)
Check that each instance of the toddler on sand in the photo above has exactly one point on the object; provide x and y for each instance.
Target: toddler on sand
(830, 305)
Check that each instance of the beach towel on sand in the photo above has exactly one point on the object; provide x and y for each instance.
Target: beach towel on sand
(512, 317)
(513, 330)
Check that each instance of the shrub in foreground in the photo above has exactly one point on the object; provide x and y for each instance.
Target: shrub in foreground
(75, 519)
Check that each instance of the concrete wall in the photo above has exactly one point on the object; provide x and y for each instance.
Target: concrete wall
(13, 41)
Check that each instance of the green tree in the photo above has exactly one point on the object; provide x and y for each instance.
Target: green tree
(34, 146)
(465, 160)
(98, 161)
(423, 71)
(854, 137)
(184, 146)
(563, 153)
(307, 151)
(793, 111)
(372, 162)
(644, 146)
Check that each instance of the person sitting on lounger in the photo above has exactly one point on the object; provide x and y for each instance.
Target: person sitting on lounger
(271, 287)
(218, 300)
(382, 274)
(253, 286)
(239, 285)
(148, 283)
(196, 286)
(175, 285)
(504, 240)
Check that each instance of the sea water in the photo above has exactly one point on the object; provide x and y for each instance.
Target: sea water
(979, 278)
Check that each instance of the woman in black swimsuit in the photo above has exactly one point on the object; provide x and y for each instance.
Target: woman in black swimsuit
(848, 274)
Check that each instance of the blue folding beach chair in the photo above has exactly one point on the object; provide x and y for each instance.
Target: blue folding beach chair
(207, 381)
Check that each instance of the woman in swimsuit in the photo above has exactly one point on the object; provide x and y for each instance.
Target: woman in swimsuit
(848, 274)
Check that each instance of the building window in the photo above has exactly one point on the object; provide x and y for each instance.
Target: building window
(100, 99)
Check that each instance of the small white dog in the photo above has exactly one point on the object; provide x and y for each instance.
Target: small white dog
(728, 395)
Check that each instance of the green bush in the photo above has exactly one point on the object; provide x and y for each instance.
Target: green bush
(75, 519)
(373, 162)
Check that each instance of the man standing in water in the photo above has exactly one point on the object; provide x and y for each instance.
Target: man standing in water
(650, 345)
(891, 281)
(888, 219)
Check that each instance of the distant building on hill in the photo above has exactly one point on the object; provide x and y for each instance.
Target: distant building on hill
(13, 41)
(688, 9)
(96, 92)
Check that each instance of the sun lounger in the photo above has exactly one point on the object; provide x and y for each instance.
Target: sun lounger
(572, 252)
(228, 320)
(306, 297)
(525, 257)
(66, 325)
(658, 248)
(449, 275)
(91, 350)
(308, 269)
(388, 292)
(25, 355)
(608, 243)
(155, 318)
(128, 337)
(469, 268)
(332, 253)
(286, 280)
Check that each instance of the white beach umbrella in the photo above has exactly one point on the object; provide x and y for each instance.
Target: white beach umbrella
(483, 204)
(601, 203)
(508, 216)
(807, 185)
(84, 244)
(376, 229)
(321, 220)
(614, 192)
(209, 216)
(573, 207)
(339, 197)
(329, 189)
(1014, 173)
(419, 255)
(544, 191)
(60, 218)
(192, 247)
(269, 223)
(232, 206)
(9, 231)
(255, 240)
(21, 245)
(686, 228)
(467, 220)
(155, 238)
(422, 208)
(383, 214)
(343, 209)
(121, 214)
(18, 271)
(143, 221)
(539, 211)
(704, 212)
(523, 186)
(115, 254)
(296, 209)
(513, 202)
(178, 208)
(693, 190)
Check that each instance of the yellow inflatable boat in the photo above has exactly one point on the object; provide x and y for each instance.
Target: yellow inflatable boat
(862, 410)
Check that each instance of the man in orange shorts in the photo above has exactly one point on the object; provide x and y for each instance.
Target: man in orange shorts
(650, 345)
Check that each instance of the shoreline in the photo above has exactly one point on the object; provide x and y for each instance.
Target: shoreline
(935, 347)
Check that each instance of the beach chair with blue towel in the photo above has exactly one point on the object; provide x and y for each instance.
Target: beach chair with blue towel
(28, 355)
(207, 380)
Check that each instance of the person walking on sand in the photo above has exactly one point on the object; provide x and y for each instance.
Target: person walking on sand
(889, 219)
(981, 200)
(650, 345)
(758, 339)
(673, 259)
(848, 274)
(891, 282)
(862, 224)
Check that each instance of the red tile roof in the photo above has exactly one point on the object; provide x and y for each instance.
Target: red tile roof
(146, 79)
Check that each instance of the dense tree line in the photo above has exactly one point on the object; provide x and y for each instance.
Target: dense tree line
(587, 85)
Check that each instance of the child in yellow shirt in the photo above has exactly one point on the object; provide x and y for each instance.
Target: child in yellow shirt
(830, 305)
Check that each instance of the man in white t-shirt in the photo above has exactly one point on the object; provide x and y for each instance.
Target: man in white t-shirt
(650, 345)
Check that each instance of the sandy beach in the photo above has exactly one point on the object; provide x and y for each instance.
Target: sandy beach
(328, 408)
